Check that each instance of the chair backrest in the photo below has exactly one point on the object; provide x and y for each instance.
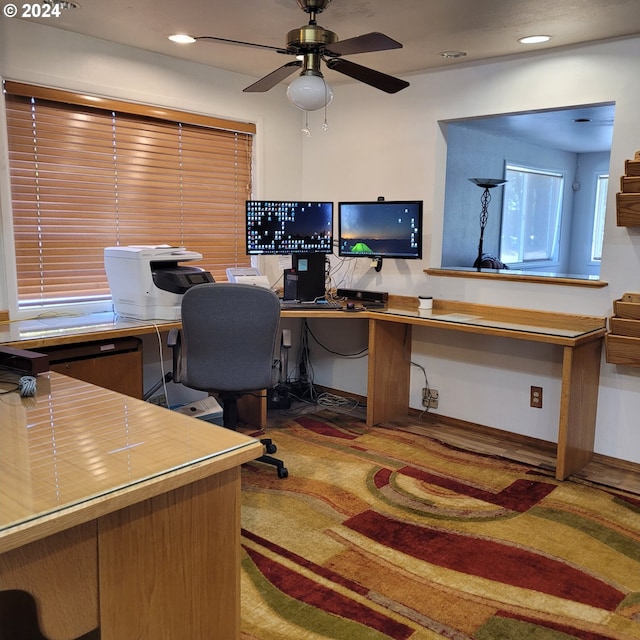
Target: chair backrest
(229, 334)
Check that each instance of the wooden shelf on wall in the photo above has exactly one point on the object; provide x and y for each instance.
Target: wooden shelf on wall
(622, 343)
(628, 198)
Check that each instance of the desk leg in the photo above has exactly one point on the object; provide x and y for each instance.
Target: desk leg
(170, 566)
(578, 407)
(388, 385)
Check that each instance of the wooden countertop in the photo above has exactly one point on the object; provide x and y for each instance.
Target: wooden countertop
(565, 329)
(46, 331)
(525, 324)
(75, 452)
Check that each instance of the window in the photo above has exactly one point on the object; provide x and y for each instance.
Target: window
(84, 178)
(597, 239)
(531, 215)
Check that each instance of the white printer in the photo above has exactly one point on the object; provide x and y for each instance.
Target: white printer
(147, 283)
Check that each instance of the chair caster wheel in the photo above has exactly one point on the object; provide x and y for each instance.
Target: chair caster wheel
(271, 448)
(283, 472)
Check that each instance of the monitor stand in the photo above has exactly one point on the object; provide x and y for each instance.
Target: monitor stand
(305, 281)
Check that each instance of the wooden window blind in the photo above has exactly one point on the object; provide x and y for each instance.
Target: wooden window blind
(85, 178)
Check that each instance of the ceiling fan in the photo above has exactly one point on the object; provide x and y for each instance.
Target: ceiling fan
(312, 44)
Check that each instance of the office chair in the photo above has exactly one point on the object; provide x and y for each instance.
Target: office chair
(227, 345)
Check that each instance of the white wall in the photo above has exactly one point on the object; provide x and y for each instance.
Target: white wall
(392, 146)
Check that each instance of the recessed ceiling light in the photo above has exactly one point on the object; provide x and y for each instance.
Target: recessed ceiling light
(182, 38)
(453, 54)
(534, 39)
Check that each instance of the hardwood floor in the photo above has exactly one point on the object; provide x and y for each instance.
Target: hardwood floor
(609, 472)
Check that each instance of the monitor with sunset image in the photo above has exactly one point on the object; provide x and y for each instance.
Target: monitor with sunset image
(384, 229)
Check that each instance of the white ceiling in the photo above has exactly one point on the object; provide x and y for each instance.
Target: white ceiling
(484, 29)
(583, 129)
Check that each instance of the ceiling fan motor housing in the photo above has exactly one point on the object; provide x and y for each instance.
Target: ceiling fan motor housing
(310, 36)
(313, 6)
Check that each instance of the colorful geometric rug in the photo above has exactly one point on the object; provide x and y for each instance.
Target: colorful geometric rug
(380, 533)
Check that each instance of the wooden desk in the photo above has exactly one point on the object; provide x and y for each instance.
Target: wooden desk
(388, 386)
(73, 329)
(118, 514)
(580, 338)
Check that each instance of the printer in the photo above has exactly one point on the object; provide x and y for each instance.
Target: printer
(147, 283)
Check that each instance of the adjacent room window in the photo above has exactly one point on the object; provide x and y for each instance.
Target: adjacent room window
(86, 177)
(531, 215)
(600, 208)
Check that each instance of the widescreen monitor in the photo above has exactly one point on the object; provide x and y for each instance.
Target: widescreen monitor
(289, 227)
(385, 229)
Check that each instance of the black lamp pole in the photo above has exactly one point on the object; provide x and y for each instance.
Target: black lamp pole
(485, 199)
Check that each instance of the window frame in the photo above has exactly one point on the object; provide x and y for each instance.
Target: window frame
(197, 121)
(541, 263)
(599, 215)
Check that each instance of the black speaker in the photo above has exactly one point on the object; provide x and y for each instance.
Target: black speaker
(30, 362)
(363, 295)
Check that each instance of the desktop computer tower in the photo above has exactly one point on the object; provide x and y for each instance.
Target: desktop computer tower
(306, 279)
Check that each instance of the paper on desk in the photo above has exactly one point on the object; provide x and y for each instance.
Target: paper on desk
(458, 317)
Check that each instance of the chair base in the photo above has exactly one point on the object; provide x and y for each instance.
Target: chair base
(268, 459)
(230, 421)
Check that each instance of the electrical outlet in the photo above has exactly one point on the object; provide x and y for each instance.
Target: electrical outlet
(430, 398)
(536, 397)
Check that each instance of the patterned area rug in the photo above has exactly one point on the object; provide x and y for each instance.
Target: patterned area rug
(381, 533)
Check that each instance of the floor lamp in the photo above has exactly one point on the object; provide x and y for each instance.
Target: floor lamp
(486, 184)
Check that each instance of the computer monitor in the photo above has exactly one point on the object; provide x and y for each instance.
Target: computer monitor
(301, 229)
(380, 229)
(289, 227)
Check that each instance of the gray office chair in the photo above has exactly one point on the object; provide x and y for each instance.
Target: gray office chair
(227, 345)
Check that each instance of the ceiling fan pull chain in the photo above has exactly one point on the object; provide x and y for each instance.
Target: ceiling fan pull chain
(325, 124)
(305, 129)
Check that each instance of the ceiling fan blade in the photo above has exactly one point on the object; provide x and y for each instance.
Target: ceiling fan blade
(272, 79)
(371, 77)
(374, 41)
(243, 44)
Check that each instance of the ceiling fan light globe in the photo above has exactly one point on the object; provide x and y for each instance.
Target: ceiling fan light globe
(309, 93)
